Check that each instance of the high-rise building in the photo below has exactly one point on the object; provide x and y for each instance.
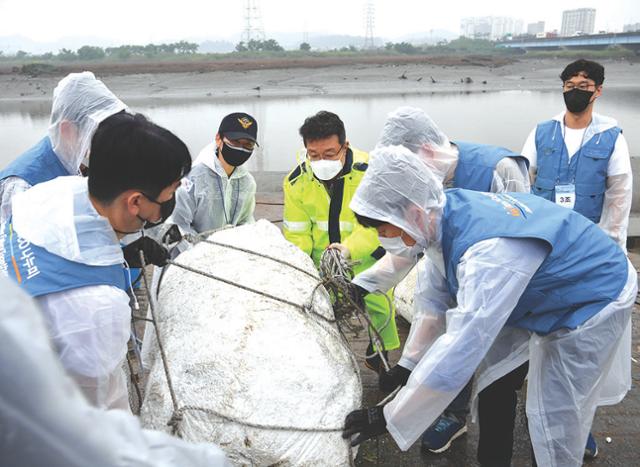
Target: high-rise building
(631, 27)
(580, 21)
(490, 27)
(535, 28)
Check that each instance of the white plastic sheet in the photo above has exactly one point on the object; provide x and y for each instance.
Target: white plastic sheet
(44, 420)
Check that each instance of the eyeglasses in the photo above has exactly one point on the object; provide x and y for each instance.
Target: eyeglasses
(584, 86)
(330, 154)
(249, 146)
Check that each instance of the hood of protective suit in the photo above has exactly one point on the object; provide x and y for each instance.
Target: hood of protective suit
(599, 123)
(412, 128)
(85, 101)
(58, 216)
(400, 190)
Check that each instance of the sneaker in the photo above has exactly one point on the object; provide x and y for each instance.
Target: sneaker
(441, 433)
(372, 359)
(591, 450)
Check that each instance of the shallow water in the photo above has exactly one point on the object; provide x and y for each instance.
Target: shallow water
(503, 118)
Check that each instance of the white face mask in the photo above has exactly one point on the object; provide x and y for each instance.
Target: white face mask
(396, 246)
(326, 170)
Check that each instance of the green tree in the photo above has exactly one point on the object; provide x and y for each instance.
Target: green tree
(89, 52)
(151, 50)
(66, 54)
(405, 48)
(305, 46)
(184, 47)
(21, 54)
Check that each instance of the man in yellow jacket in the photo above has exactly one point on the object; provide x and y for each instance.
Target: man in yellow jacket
(317, 194)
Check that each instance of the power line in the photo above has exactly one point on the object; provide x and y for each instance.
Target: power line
(369, 20)
(253, 29)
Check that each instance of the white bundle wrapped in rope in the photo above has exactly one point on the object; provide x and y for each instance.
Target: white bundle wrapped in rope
(266, 380)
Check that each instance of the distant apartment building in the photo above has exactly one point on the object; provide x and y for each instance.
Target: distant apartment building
(635, 27)
(580, 21)
(490, 27)
(535, 28)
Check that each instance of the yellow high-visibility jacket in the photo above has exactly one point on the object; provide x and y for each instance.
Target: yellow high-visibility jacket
(315, 218)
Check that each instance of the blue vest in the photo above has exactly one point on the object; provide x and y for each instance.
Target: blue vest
(476, 164)
(584, 271)
(39, 272)
(38, 164)
(587, 170)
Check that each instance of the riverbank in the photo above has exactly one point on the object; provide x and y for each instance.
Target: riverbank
(277, 79)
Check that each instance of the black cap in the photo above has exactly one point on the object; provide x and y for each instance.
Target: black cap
(239, 125)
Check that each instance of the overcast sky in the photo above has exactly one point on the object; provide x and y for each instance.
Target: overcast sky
(142, 21)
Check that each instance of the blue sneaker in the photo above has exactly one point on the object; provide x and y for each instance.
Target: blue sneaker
(591, 450)
(441, 433)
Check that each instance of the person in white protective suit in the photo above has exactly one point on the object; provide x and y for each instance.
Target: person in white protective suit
(80, 103)
(472, 166)
(515, 272)
(220, 191)
(482, 168)
(61, 246)
(580, 160)
(45, 420)
(585, 152)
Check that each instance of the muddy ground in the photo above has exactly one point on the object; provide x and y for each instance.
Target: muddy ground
(229, 80)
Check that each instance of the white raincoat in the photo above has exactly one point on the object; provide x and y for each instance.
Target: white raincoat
(89, 325)
(84, 101)
(44, 420)
(412, 128)
(566, 366)
(209, 199)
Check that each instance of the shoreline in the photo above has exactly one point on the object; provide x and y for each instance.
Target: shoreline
(345, 79)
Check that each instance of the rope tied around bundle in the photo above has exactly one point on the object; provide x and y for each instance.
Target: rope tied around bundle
(348, 303)
(335, 275)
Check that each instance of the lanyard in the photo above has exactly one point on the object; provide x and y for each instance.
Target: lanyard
(577, 155)
(235, 206)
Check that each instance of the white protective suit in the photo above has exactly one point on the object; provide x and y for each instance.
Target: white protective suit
(412, 128)
(78, 98)
(619, 193)
(89, 325)
(45, 420)
(208, 199)
(566, 366)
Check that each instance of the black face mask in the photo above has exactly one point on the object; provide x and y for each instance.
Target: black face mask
(577, 100)
(235, 156)
(166, 208)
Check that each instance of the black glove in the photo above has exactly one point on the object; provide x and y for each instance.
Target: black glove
(396, 376)
(172, 235)
(368, 422)
(154, 253)
(357, 294)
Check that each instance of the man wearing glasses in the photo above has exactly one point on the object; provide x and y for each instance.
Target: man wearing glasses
(317, 194)
(580, 160)
(220, 190)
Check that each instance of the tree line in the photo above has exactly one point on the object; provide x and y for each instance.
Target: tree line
(90, 52)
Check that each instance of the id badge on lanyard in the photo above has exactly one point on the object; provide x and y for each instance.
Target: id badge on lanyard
(566, 195)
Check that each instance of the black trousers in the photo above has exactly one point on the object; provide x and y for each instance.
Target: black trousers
(497, 412)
